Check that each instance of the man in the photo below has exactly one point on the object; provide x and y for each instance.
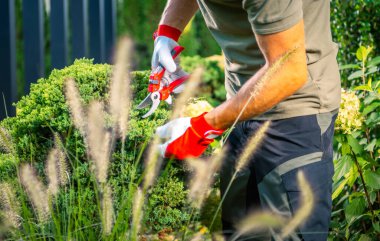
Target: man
(300, 98)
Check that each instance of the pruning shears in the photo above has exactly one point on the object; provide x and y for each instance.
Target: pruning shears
(161, 87)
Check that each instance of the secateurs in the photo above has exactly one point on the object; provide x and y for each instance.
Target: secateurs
(162, 84)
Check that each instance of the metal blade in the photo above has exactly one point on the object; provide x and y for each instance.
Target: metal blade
(155, 98)
(145, 102)
(169, 100)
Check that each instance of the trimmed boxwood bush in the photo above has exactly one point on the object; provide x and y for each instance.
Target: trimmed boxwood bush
(44, 112)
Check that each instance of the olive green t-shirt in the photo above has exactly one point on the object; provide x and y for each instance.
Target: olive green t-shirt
(233, 23)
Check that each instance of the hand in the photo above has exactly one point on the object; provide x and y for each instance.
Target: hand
(165, 39)
(188, 137)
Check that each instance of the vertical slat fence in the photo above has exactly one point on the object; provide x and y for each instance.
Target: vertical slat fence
(79, 28)
(93, 33)
(59, 30)
(34, 52)
(97, 32)
(8, 90)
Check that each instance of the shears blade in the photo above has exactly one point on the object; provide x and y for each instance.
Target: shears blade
(155, 99)
(147, 101)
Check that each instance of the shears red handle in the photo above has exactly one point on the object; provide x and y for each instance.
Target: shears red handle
(157, 74)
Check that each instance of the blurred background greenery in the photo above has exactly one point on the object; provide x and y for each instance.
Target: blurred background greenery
(353, 23)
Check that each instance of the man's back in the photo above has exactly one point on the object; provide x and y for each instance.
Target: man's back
(233, 24)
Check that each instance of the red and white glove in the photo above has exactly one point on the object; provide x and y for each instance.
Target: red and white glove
(188, 137)
(165, 39)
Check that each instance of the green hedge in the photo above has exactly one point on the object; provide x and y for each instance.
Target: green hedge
(355, 23)
(44, 112)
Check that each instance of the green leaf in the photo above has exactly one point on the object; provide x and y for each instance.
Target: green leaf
(365, 237)
(359, 53)
(373, 62)
(354, 144)
(363, 87)
(371, 70)
(355, 75)
(362, 53)
(371, 107)
(349, 66)
(345, 149)
(339, 189)
(371, 145)
(376, 226)
(355, 208)
(343, 166)
(372, 179)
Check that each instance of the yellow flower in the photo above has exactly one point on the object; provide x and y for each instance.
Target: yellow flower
(349, 118)
(196, 107)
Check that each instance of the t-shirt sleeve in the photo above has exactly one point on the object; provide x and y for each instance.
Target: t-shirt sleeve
(272, 16)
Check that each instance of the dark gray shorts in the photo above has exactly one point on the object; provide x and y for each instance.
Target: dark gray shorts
(270, 181)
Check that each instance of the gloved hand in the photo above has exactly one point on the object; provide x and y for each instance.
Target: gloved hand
(165, 39)
(188, 137)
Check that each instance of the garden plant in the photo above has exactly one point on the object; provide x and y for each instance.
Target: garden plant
(79, 163)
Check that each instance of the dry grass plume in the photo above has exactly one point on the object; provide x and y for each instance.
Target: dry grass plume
(107, 209)
(10, 205)
(307, 204)
(75, 104)
(202, 177)
(99, 141)
(191, 87)
(36, 191)
(52, 172)
(251, 146)
(119, 89)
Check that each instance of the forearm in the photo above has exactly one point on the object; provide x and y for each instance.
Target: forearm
(178, 13)
(262, 92)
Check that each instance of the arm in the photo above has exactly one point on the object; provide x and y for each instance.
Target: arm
(283, 83)
(178, 13)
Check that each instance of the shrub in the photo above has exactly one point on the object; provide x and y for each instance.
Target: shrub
(213, 78)
(44, 112)
(354, 22)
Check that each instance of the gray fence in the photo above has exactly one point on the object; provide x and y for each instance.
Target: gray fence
(78, 28)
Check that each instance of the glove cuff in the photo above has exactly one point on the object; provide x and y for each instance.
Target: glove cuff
(167, 31)
(203, 128)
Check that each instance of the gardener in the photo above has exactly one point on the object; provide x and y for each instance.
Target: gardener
(301, 97)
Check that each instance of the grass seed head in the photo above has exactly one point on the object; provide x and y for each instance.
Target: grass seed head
(6, 142)
(251, 146)
(63, 171)
(52, 172)
(191, 86)
(10, 205)
(137, 213)
(307, 204)
(99, 141)
(75, 104)
(36, 191)
(202, 178)
(107, 209)
(152, 164)
(258, 222)
(119, 91)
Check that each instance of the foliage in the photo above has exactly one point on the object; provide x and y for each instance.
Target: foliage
(141, 18)
(213, 79)
(44, 112)
(356, 194)
(354, 22)
(166, 200)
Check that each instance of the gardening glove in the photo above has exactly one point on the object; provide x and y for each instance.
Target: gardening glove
(165, 39)
(188, 137)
